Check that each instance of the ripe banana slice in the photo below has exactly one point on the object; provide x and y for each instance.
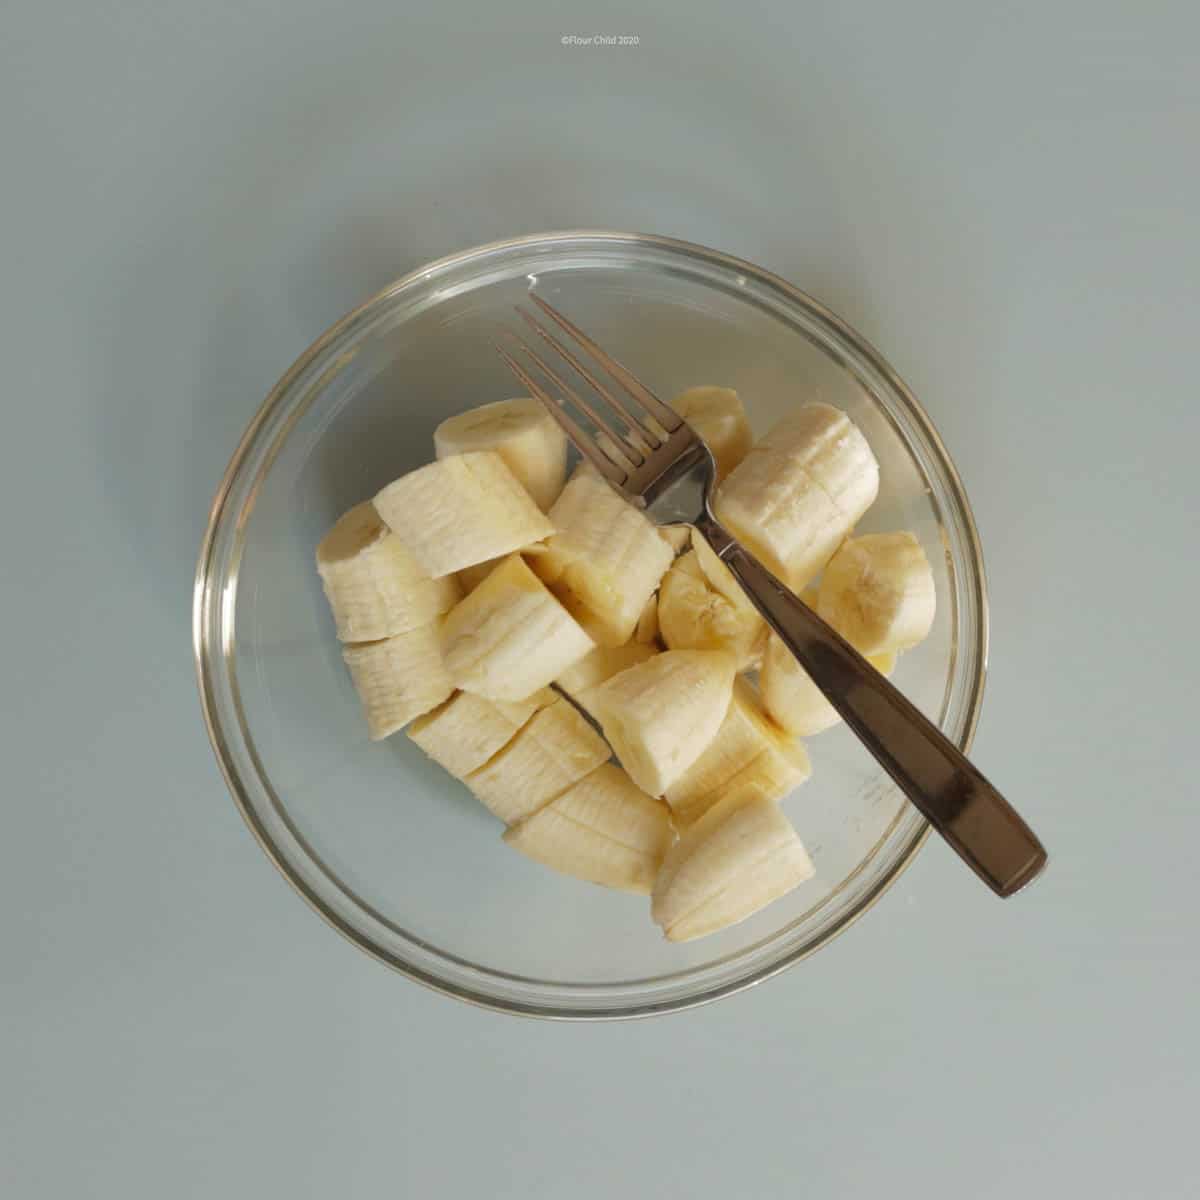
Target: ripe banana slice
(522, 432)
(375, 588)
(678, 537)
(604, 829)
(398, 678)
(510, 636)
(661, 715)
(460, 511)
(737, 858)
(717, 415)
(600, 664)
(646, 633)
(878, 592)
(793, 700)
(748, 752)
(799, 492)
(462, 734)
(606, 559)
(471, 577)
(554, 750)
(693, 615)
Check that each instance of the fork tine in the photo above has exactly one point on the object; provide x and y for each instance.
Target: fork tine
(667, 417)
(632, 453)
(641, 437)
(579, 436)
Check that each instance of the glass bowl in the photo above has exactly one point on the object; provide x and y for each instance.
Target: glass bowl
(388, 848)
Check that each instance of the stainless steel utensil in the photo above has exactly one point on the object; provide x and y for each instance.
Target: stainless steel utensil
(646, 451)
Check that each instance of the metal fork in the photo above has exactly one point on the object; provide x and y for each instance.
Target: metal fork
(658, 462)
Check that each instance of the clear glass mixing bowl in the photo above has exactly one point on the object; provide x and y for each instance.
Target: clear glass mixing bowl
(381, 842)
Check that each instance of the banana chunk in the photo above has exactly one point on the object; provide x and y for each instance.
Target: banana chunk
(604, 829)
(694, 615)
(646, 633)
(678, 537)
(375, 588)
(556, 749)
(748, 754)
(661, 714)
(717, 416)
(737, 858)
(460, 511)
(462, 734)
(510, 636)
(606, 559)
(398, 678)
(800, 491)
(793, 700)
(522, 432)
(878, 593)
(600, 664)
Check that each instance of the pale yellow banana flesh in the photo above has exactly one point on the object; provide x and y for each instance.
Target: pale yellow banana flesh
(459, 511)
(599, 665)
(799, 492)
(878, 593)
(510, 636)
(646, 633)
(462, 734)
(793, 700)
(749, 752)
(693, 615)
(398, 678)
(678, 537)
(606, 559)
(718, 417)
(375, 588)
(604, 829)
(737, 858)
(525, 436)
(556, 749)
(469, 578)
(660, 715)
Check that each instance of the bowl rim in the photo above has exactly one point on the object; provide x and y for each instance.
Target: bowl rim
(547, 241)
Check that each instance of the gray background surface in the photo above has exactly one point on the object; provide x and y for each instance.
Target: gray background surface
(1002, 197)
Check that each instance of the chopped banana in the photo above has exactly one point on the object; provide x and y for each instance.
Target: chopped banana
(510, 636)
(799, 492)
(462, 734)
(717, 416)
(604, 829)
(522, 432)
(749, 751)
(878, 593)
(661, 714)
(606, 559)
(375, 588)
(737, 858)
(398, 678)
(693, 615)
(554, 750)
(460, 511)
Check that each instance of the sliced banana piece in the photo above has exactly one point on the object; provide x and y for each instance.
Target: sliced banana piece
(661, 714)
(793, 700)
(398, 678)
(748, 752)
(375, 588)
(462, 734)
(460, 511)
(678, 537)
(878, 592)
(800, 491)
(510, 636)
(737, 858)
(471, 577)
(600, 664)
(646, 633)
(693, 615)
(717, 415)
(522, 432)
(554, 750)
(606, 559)
(604, 829)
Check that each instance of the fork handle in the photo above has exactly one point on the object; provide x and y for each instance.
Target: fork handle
(982, 827)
